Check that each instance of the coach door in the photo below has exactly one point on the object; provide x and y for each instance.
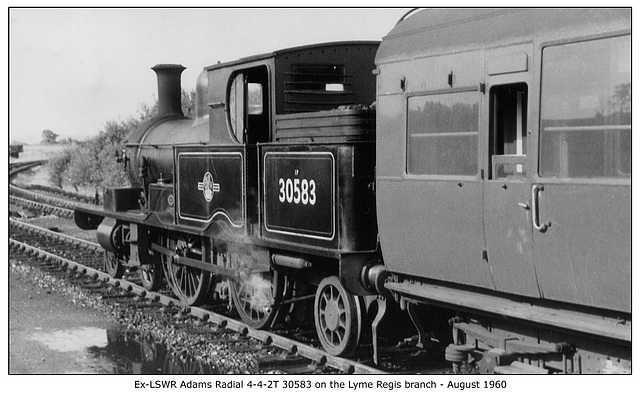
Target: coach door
(249, 117)
(507, 207)
(436, 207)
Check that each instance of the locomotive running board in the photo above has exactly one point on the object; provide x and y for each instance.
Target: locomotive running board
(484, 303)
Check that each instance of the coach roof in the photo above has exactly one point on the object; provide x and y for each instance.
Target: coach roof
(440, 31)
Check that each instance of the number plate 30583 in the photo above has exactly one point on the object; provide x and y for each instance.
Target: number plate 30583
(299, 193)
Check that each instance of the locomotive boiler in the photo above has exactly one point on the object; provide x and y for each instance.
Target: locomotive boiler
(471, 171)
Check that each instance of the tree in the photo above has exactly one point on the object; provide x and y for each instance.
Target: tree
(49, 137)
(189, 103)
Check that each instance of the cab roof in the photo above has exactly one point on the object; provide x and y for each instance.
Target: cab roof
(278, 53)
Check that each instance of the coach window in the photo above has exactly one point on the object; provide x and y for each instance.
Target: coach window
(442, 134)
(508, 127)
(586, 109)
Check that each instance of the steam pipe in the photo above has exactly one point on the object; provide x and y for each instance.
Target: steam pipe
(290, 261)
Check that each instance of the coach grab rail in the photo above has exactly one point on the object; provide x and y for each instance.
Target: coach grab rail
(535, 190)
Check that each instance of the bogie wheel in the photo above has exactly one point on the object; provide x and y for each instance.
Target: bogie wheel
(257, 297)
(191, 285)
(338, 316)
(113, 266)
(151, 276)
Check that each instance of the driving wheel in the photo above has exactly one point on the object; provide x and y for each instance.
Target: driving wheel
(190, 284)
(257, 297)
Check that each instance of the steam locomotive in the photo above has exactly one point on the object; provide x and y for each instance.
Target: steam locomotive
(478, 181)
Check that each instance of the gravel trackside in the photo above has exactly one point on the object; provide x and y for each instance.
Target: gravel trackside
(48, 332)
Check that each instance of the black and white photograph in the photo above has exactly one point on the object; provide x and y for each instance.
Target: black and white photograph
(286, 201)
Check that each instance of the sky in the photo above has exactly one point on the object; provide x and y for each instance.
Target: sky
(72, 70)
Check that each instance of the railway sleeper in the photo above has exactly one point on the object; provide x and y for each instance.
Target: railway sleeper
(312, 368)
(290, 364)
(520, 368)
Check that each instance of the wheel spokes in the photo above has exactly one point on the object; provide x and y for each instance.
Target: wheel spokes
(151, 276)
(337, 315)
(256, 301)
(190, 285)
(188, 281)
(257, 297)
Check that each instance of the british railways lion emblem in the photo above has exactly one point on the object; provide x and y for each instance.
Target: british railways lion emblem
(208, 187)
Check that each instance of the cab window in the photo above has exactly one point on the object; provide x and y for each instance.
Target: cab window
(248, 110)
(236, 107)
(255, 98)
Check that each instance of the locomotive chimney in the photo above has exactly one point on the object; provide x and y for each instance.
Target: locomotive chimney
(169, 89)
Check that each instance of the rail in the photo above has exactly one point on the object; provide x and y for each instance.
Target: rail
(293, 347)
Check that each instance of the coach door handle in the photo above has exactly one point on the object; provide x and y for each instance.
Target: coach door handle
(535, 189)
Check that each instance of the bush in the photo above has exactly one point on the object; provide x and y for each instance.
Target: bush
(92, 163)
(59, 165)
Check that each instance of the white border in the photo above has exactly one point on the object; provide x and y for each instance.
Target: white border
(223, 212)
(305, 155)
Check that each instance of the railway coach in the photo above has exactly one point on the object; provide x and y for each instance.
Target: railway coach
(478, 181)
(503, 180)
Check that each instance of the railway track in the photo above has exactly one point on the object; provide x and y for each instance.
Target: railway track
(81, 262)
(44, 208)
(284, 350)
(60, 193)
(17, 167)
(46, 200)
(45, 203)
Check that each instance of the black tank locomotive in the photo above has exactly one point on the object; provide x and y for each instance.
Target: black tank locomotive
(269, 191)
(460, 182)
